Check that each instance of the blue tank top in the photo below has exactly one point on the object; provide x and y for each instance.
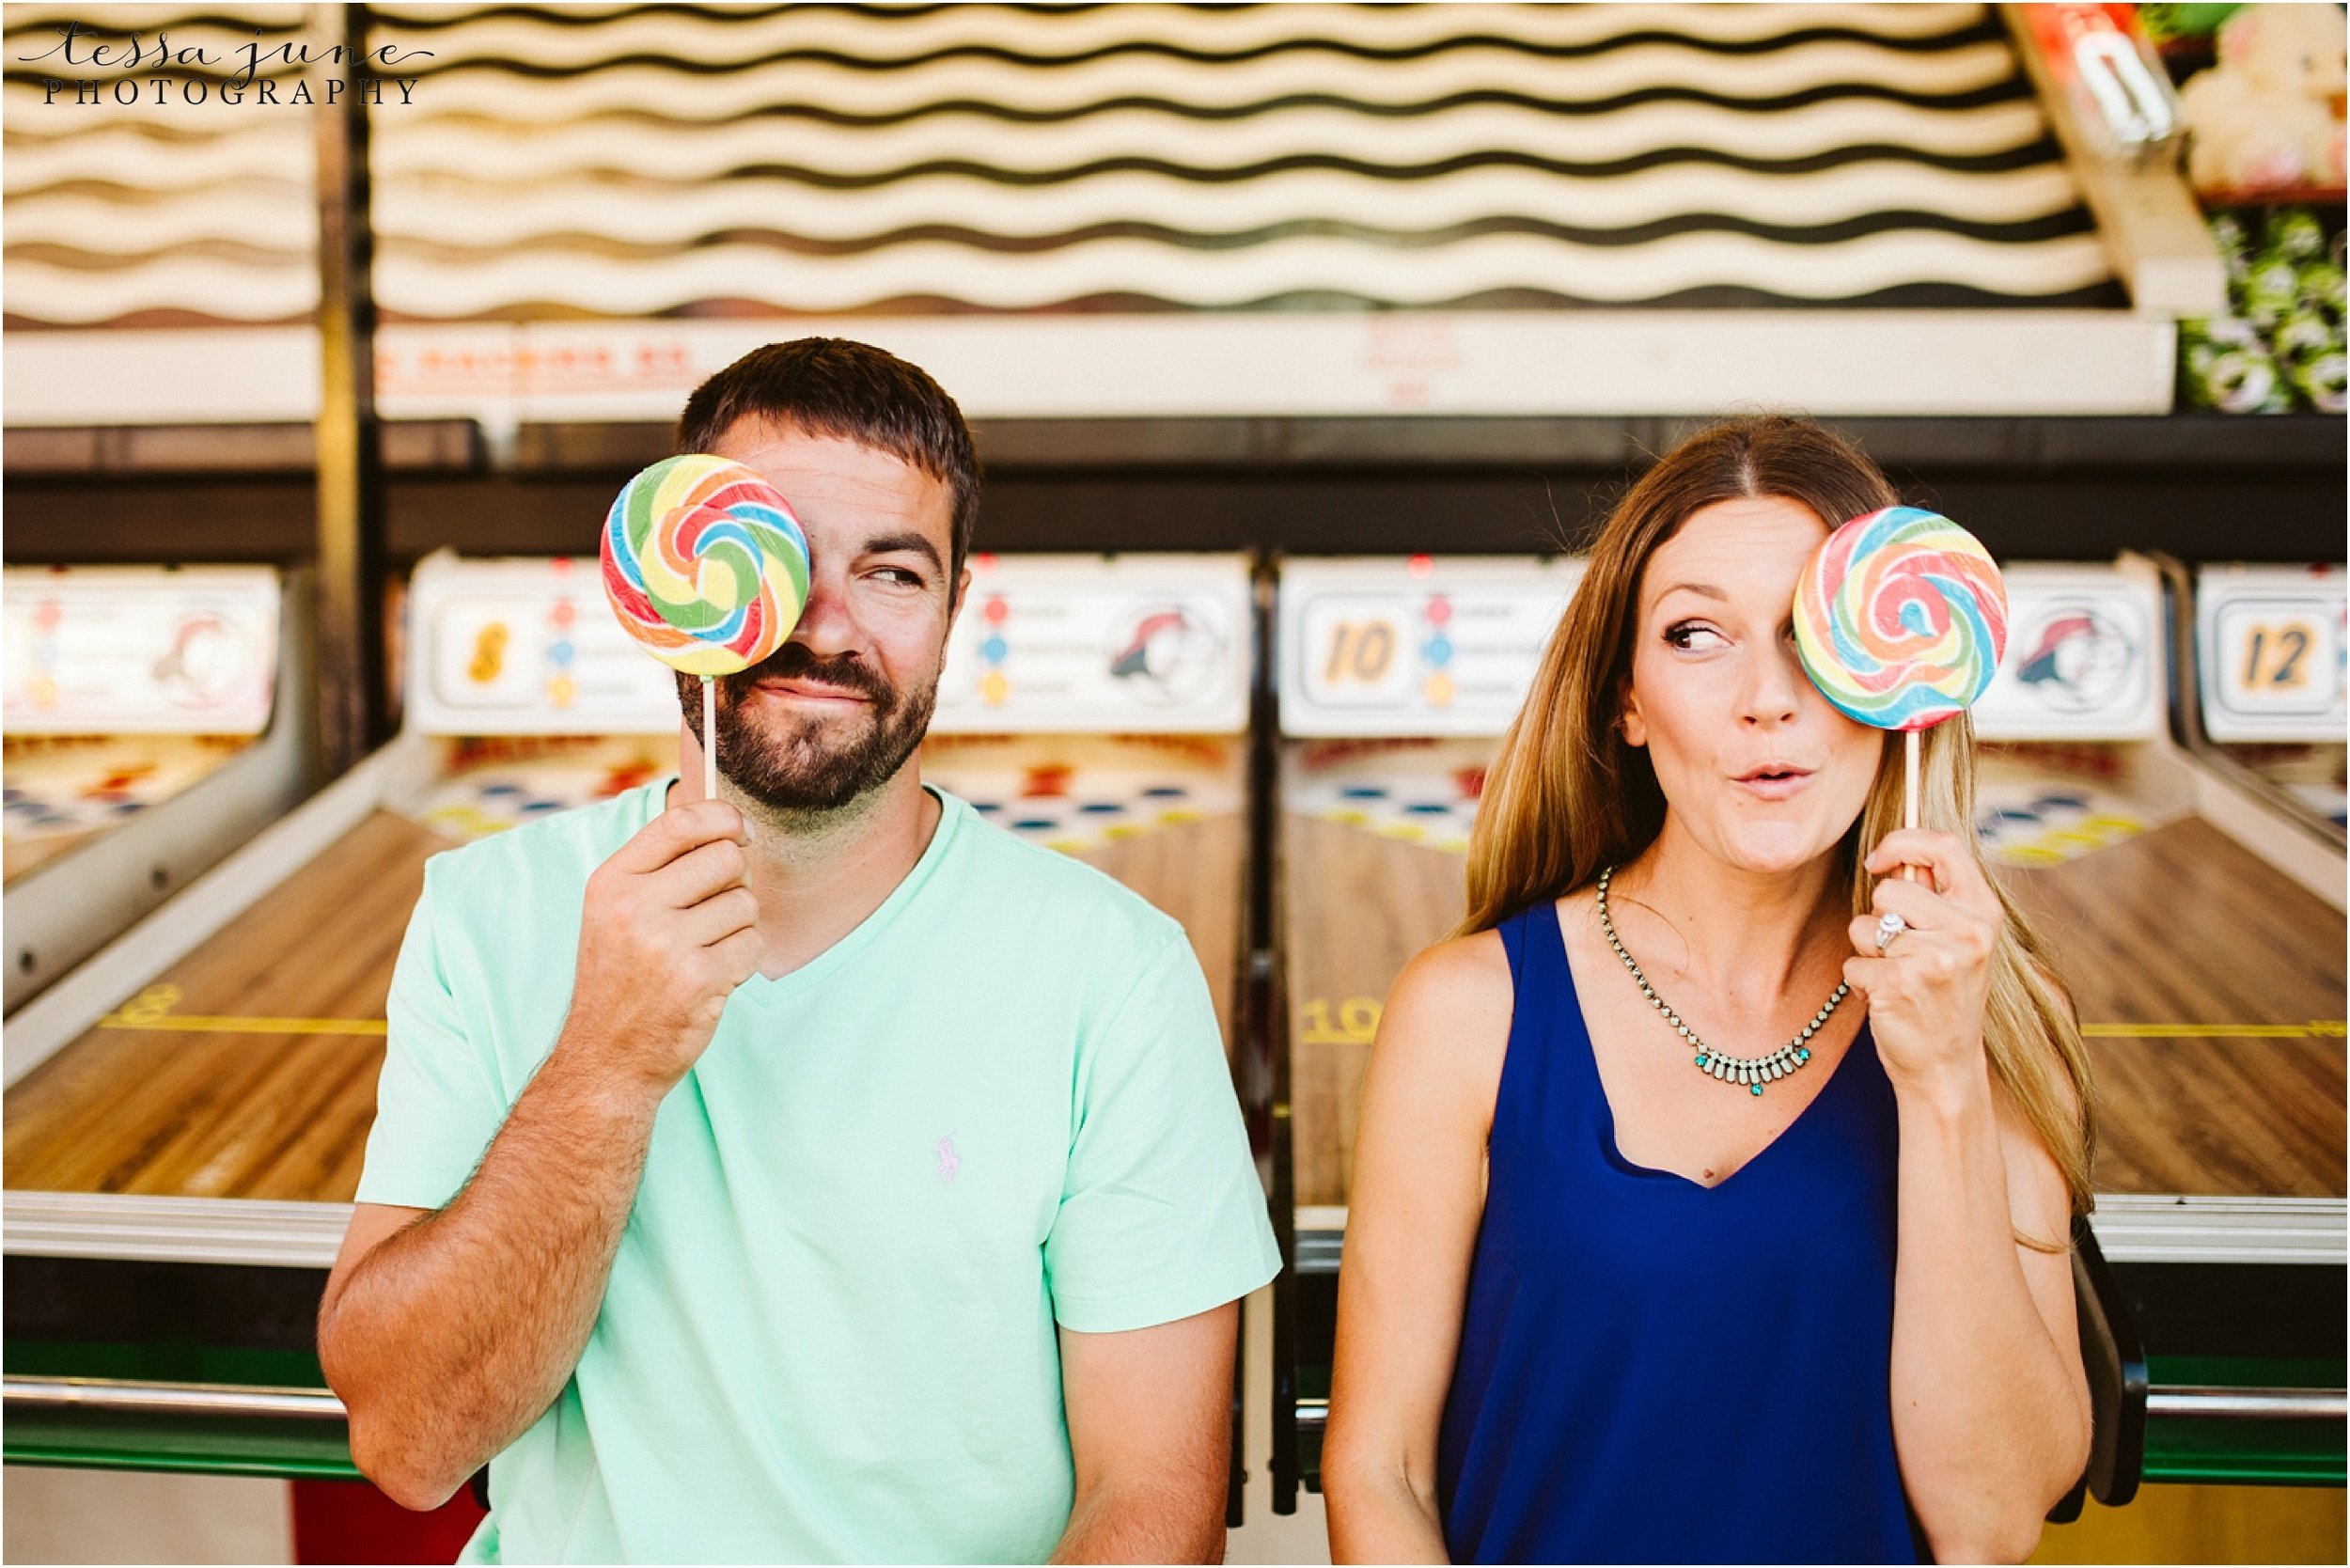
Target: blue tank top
(1655, 1372)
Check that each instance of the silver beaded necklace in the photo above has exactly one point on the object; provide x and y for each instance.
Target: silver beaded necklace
(1753, 1071)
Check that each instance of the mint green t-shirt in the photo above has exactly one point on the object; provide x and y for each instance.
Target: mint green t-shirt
(999, 1104)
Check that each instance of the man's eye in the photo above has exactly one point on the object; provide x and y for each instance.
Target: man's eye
(899, 574)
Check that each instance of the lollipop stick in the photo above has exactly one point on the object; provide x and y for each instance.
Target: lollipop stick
(1909, 793)
(709, 739)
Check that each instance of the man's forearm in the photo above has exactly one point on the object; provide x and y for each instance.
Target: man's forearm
(452, 1336)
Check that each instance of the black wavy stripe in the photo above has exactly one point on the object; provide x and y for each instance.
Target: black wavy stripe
(106, 187)
(434, 22)
(1907, 296)
(1159, 49)
(147, 129)
(2055, 226)
(1901, 296)
(1977, 31)
(2009, 90)
(2028, 155)
(239, 187)
(162, 316)
(246, 186)
(1904, 296)
(237, 251)
(1983, 31)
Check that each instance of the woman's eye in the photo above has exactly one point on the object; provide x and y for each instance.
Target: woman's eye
(1685, 635)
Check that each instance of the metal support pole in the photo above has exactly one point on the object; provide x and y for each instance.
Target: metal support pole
(117, 1396)
(350, 466)
(1266, 1000)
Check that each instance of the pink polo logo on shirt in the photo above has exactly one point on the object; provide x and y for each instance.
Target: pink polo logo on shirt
(949, 1163)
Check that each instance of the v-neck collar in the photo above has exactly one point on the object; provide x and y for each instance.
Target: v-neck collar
(765, 992)
(1613, 1151)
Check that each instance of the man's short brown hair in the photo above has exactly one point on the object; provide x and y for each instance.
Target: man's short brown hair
(839, 387)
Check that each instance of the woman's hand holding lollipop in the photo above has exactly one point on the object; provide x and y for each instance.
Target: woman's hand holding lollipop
(1926, 982)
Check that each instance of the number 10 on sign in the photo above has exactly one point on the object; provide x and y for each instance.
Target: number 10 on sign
(1355, 652)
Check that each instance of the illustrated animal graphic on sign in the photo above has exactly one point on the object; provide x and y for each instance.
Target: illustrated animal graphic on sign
(2074, 660)
(1167, 657)
(206, 663)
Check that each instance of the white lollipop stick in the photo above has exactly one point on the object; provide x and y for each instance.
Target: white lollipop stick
(1911, 787)
(709, 739)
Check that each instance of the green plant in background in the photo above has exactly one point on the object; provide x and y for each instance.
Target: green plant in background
(2280, 346)
(2163, 23)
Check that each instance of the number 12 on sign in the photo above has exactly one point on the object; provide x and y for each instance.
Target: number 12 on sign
(2275, 657)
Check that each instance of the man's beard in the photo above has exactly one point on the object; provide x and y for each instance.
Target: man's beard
(792, 765)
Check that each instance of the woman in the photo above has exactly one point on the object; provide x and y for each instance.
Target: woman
(1604, 1301)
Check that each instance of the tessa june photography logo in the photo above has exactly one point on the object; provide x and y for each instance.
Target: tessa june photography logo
(137, 69)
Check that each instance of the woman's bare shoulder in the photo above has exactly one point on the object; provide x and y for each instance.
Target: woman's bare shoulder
(1448, 1012)
(1436, 1063)
(1471, 972)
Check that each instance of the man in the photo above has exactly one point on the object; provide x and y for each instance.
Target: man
(817, 1172)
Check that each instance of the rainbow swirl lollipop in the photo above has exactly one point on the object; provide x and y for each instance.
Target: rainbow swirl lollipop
(704, 564)
(1900, 618)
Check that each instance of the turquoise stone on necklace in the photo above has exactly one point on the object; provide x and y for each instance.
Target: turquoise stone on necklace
(1751, 1071)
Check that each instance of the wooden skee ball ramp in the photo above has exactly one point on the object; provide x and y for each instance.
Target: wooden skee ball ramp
(1373, 870)
(248, 1069)
(1356, 907)
(2211, 986)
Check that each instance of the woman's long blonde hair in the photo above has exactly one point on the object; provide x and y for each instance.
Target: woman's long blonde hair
(1568, 796)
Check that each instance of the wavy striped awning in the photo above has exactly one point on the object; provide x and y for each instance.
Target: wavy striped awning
(640, 160)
